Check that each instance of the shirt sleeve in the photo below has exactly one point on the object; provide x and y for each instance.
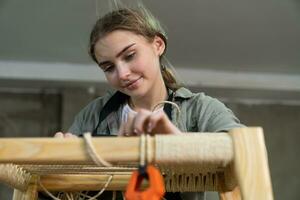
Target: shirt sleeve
(87, 119)
(75, 128)
(216, 117)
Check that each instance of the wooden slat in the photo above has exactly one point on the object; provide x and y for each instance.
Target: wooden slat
(251, 164)
(67, 151)
(118, 149)
(85, 182)
(31, 193)
(235, 194)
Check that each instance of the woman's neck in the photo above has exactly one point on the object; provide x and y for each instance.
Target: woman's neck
(149, 101)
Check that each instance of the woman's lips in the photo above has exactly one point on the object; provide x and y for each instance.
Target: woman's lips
(133, 84)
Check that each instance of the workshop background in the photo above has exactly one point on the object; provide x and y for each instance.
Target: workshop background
(244, 52)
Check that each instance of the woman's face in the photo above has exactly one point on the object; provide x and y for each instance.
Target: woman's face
(130, 62)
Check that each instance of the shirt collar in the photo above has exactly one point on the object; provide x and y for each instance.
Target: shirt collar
(183, 93)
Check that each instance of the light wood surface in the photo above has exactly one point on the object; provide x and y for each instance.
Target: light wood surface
(116, 149)
(235, 194)
(67, 151)
(84, 182)
(248, 165)
(251, 164)
(31, 193)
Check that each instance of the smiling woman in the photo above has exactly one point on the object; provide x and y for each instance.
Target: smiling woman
(131, 65)
(129, 46)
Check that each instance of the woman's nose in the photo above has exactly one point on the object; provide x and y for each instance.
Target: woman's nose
(123, 72)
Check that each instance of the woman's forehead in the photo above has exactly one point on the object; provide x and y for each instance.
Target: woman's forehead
(114, 42)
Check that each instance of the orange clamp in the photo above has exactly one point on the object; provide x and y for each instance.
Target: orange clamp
(155, 191)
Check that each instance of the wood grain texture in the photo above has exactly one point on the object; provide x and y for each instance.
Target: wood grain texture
(84, 182)
(248, 165)
(215, 149)
(235, 194)
(251, 164)
(67, 151)
(30, 194)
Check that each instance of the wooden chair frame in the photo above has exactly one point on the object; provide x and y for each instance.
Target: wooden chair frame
(249, 165)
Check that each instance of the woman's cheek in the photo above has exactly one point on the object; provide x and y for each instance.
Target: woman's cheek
(139, 63)
(112, 80)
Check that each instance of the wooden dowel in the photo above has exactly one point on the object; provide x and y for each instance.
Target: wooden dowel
(117, 149)
(72, 183)
(93, 182)
(67, 151)
(251, 164)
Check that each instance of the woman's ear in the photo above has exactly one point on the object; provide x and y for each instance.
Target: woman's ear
(159, 45)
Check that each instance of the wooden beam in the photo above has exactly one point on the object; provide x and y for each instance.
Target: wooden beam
(119, 149)
(85, 182)
(67, 151)
(31, 193)
(251, 164)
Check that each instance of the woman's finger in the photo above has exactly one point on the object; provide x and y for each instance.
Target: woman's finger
(160, 123)
(140, 122)
(59, 135)
(70, 135)
(128, 127)
(64, 135)
(121, 131)
(157, 122)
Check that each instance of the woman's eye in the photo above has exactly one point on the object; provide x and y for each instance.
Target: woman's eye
(108, 68)
(129, 56)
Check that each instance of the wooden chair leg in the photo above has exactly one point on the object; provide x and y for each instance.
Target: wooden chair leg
(235, 194)
(30, 194)
(229, 189)
(251, 164)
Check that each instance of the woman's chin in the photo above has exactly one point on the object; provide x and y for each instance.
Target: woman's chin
(137, 93)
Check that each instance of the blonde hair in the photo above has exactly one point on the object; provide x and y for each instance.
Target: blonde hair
(139, 21)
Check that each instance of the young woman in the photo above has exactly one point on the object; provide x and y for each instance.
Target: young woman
(128, 46)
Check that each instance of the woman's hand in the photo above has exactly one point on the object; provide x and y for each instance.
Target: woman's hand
(64, 135)
(145, 121)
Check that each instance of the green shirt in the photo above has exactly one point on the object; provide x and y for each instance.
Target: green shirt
(198, 113)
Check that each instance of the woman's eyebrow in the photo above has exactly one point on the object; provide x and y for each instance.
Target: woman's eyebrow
(124, 49)
(103, 63)
(118, 55)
